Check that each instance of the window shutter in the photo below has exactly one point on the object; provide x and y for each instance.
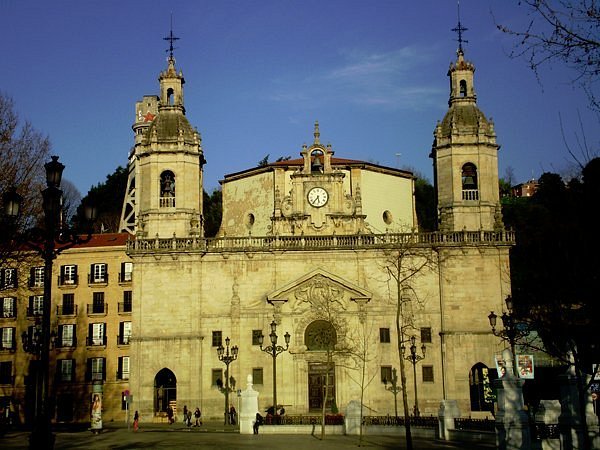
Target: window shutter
(16, 277)
(92, 273)
(75, 271)
(31, 276)
(72, 370)
(120, 367)
(90, 333)
(88, 373)
(31, 303)
(104, 333)
(104, 368)
(2, 272)
(60, 335)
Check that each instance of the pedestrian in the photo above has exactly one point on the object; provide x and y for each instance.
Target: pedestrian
(197, 415)
(232, 415)
(257, 422)
(189, 419)
(185, 411)
(170, 414)
(136, 421)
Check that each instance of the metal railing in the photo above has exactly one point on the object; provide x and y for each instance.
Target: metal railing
(475, 424)
(420, 421)
(351, 242)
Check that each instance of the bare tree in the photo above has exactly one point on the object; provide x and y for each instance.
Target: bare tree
(71, 200)
(563, 32)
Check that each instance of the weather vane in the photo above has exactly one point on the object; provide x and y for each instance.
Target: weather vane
(459, 30)
(171, 39)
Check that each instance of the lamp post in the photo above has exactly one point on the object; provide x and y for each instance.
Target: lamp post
(414, 359)
(511, 332)
(394, 389)
(227, 358)
(274, 350)
(48, 242)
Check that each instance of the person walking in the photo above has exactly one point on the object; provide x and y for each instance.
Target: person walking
(185, 414)
(257, 422)
(232, 415)
(136, 421)
(197, 416)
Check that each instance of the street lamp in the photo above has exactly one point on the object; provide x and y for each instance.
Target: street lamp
(511, 332)
(227, 358)
(274, 350)
(414, 359)
(394, 389)
(48, 242)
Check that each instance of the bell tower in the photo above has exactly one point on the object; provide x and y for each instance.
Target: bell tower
(465, 156)
(164, 190)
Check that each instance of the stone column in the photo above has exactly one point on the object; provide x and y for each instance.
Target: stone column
(248, 408)
(547, 414)
(512, 422)
(446, 414)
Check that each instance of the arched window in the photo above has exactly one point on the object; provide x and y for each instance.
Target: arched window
(170, 96)
(320, 335)
(469, 182)
(167, 189)
(463, 88)
(480, 387)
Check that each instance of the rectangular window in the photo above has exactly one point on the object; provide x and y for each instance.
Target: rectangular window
(426, 335)
(6, 372)
(97, 334)
(8, 307)
(427, 374)
(66, 370)
(123, 369)
(68, 274)
(257, 375)
(217, 338)
(68, 304)
(217, 377)
(384, 335)
(126, 272)
(386, 374)
(36, 277)
(98, 273)
(36, 305)
(8, 338)
(96, 369)
(98, 303)
(256, 334)
(127, 301)
(124, 333)
(66, 335)
(8, 278)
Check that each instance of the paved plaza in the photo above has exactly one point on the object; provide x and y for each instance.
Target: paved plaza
(213, 436)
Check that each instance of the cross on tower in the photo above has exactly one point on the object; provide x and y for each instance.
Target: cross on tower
(459, 30)
(171, 39)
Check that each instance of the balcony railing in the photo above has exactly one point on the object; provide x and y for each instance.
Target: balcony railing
(125, 277)
(97, 279)
(63, 310)
(122, 375)
(9, 313)
(34, 312)
(95, 308)
(470, 194)
(7, 379)
(70, 280)
(361, 241)
(95, 341)
(8, 346)
(66, 343)
(124, 307)
(124, 340)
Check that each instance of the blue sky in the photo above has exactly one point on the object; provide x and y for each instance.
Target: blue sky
(259, 73)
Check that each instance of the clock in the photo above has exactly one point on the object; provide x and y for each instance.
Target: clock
(317, 197)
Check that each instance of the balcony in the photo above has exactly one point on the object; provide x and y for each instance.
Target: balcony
(124, 308)
(66, 343)
(66, 310)
(8, 346)
(7, 379)
(125, 277)
(96, 280)
(8, 313)
(97, 309)
(34, 312)
(470, 194)
(124, 340)
(122, 375)
(95, 341)
(68, 281)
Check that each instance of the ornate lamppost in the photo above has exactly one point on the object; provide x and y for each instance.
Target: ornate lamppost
(227, 358)
(48, 242)
(414, 359)
(394, 389)
(274, 350)
(511, 332)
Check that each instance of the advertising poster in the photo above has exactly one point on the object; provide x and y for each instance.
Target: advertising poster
(96, 411)
(525, 366)
(500, 366)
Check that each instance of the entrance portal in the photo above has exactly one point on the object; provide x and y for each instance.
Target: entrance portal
(165, 391)
(318, 379)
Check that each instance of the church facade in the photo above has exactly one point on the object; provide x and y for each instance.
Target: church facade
(324, 249)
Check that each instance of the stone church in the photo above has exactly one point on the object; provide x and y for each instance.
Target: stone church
(321, 247)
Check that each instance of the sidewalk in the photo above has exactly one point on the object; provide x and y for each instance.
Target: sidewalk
(219, 437)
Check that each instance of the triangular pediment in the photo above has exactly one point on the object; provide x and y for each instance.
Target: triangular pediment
(315, 285)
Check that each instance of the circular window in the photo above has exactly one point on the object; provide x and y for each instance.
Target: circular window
(250, 220)
(320, 335)
(387, 217)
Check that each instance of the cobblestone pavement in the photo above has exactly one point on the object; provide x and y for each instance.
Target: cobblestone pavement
(221, 438)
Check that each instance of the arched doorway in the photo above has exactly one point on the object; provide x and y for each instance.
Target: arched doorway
(165, 391)
(320, 336)
(480, 387)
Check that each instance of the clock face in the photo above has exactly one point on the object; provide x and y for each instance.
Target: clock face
(318, 197)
